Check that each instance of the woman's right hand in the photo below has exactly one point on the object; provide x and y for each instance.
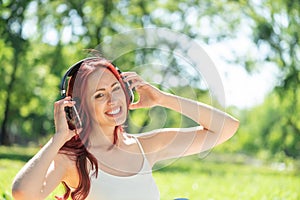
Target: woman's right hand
(61, 125)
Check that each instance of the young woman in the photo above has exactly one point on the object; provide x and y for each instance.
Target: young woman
(96, 158)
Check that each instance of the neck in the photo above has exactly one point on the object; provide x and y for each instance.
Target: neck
(103, 136)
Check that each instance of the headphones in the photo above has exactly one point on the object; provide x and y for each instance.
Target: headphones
(75, 122)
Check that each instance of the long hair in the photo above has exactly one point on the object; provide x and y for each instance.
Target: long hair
(76, 147)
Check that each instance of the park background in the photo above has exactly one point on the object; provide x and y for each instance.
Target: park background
(256, 41)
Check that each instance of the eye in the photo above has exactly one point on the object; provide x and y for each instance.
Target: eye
(99, 95)
(116, 88)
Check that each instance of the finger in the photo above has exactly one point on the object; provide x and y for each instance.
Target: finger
(77, 131)
(125, 74)
(61, 101)
(133, 79)
(130, 76)
(60, 105)
(137, 84)
(134, 106)
(67, 101)
(67, 98)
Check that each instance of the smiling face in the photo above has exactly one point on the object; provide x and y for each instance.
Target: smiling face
(106, 99)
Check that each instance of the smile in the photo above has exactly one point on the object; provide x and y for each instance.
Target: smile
(114, 111)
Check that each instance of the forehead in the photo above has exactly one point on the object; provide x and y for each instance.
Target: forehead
(101, 77)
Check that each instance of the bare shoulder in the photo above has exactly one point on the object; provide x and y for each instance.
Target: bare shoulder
(152, 140)
(168, 143)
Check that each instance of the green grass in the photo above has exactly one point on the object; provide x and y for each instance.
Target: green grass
(217, 177)
(194, 178)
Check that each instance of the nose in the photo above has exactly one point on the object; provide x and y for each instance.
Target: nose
(111, 99)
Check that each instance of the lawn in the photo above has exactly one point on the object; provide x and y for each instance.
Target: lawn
(216, 177)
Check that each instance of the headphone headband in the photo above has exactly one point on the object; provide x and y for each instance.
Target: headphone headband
(70, 72)
(75, 67)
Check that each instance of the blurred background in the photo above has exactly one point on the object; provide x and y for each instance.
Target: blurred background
(255, 45)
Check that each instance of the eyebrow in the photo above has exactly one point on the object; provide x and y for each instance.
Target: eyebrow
(103, 89)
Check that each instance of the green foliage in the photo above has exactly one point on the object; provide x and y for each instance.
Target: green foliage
(31, 81)
(273, 128)
(270, 130)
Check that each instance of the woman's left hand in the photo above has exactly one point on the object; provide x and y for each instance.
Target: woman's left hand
(149, 95)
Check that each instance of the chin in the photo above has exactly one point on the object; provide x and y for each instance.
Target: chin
(120, 122)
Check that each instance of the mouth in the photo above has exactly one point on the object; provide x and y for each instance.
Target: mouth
(114, 112)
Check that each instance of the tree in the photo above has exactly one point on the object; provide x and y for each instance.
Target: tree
(275, 27)
(40, 35)
(12, 18)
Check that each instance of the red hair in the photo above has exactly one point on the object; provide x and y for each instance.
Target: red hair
(76, 147)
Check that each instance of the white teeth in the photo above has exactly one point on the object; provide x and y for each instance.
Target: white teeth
(116, 111)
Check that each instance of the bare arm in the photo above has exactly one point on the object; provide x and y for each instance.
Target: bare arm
(209, 117)
(40, 175)
(34, 180)
(214, 128)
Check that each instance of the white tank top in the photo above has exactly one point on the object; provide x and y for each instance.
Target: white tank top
(140, 186)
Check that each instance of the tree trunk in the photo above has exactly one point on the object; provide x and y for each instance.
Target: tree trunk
(5, 139)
